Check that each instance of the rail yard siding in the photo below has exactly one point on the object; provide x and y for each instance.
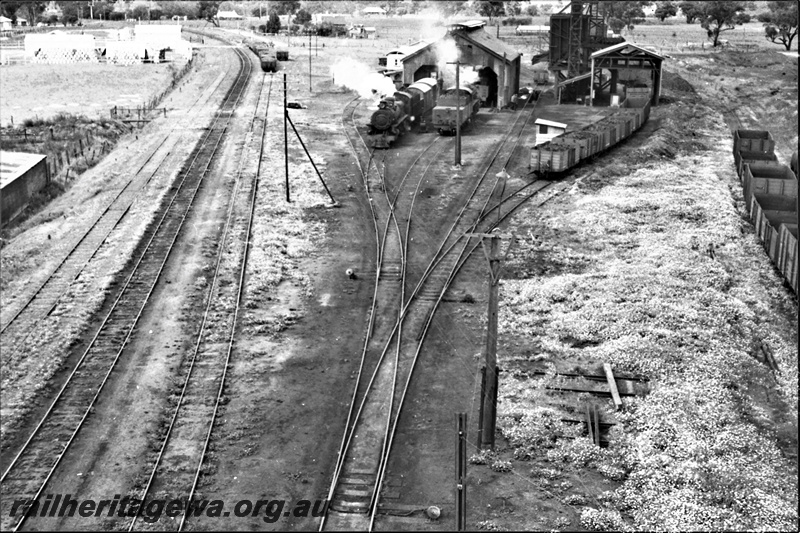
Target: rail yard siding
(567, 150)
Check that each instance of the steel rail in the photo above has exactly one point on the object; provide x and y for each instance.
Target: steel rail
(423, 334)
(392, 427)
(122, 292)
(246, 65)
(386, 347)
(341, 455)
(94, 224)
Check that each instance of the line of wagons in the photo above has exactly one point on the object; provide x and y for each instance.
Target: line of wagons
(267, 55)
(420, 104)
(566, 151)
(770, 195)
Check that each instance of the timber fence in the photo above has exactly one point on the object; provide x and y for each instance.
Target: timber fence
(140, 113)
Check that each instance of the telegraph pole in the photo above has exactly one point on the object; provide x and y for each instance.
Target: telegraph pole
(309, 61)
(490, 395)
(458, 112)
(461, 471)
(490, 371)
(286, 138)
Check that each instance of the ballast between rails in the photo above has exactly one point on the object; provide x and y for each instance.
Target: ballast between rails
(115, 331)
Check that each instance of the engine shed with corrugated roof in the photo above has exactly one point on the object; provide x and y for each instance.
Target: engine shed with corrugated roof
(497, 64)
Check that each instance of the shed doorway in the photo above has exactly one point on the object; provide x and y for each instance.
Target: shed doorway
(426, 71)
(487, 76)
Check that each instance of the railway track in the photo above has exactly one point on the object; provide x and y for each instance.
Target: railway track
(177, 468)
(377, 402)
(29, 472)
(51, 293)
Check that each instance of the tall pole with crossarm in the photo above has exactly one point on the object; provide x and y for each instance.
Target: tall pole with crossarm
(458, 112)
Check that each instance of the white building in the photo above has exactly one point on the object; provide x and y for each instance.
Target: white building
(546, 130)
(374, 12)
(228, 15)
(5, 24)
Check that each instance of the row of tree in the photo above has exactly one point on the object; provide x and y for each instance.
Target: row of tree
(716, 17)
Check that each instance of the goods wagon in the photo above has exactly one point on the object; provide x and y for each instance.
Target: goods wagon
(769, 212)
(741, 158)
(767, 177)
(770, 192)
(268, 62)
(786, 259)
(560, 154)
(753, 141)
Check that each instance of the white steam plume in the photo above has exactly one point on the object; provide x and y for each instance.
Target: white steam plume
(361, 78)
(447, 52)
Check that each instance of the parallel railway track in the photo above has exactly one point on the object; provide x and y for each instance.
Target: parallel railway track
(45, 300)
(29, 472)
(176, 470)
(366, 445)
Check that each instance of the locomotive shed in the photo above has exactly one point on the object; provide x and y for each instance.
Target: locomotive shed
(642, 258)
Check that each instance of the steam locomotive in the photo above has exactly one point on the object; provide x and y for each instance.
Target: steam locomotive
(397, 114)
(445, 115)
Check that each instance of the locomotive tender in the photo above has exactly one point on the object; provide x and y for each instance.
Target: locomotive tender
(397, 114)
(445, 113)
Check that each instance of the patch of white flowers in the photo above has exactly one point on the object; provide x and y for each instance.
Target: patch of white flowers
(658, 303)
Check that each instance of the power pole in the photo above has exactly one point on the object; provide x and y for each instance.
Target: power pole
(286, 138)
(490, 395)
(490, 371)
(461, 471)
(458, 111)
(309, 61)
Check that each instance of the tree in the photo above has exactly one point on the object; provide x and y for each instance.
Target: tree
(546, 9)
(629, 13)
(32, 10)
(691, 10)
(721, 15)
(665, 9)
(285, 7)
(69, 13)
(532, 10)
(486, 8)
(513, 9)
(140, 12)
(780, 22)
(273, 23)
(207, 10)
(9, 10)
(101, 10)
(302, 17)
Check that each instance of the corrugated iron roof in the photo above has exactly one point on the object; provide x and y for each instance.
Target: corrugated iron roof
(488, 42)
(15, 164)
(409, 49)
(619, 47)
(546, 122)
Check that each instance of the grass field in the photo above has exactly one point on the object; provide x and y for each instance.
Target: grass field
(90, 89)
